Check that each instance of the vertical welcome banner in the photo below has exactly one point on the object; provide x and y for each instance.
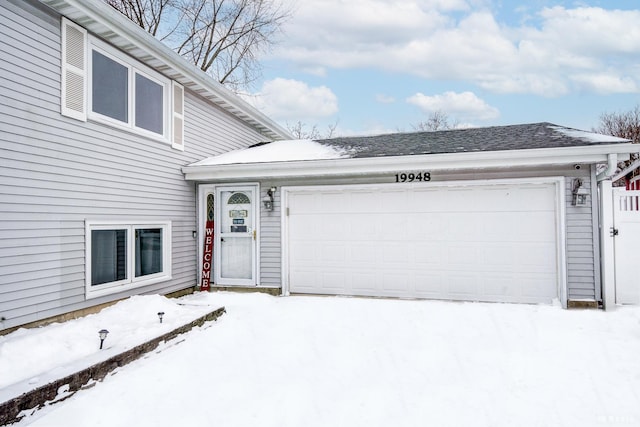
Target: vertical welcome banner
(207, 253)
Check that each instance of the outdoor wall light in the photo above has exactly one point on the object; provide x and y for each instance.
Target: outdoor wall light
(578, 193)
(268, 199)
(103, 334)
(160, 315)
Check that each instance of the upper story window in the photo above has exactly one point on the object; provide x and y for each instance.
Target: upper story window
(125, 93)
(102, 83)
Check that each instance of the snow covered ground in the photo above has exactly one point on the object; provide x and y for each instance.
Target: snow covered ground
(322, 361)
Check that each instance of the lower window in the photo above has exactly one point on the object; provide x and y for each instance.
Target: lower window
(122, 256)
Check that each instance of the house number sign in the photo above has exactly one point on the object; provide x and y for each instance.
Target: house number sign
(413, 176)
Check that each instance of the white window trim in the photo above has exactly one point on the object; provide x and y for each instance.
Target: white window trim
(133, 67)
(131, 282)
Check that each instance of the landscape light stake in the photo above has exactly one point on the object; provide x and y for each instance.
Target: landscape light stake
(103, 334)
(160, 314)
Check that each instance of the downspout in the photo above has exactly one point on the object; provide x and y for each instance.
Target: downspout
(607, 257)
(605, 249)
(612, 166)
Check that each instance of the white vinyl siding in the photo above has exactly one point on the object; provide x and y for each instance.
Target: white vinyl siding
(580, 248)
(57, 172)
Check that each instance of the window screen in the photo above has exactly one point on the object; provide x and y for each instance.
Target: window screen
(149, 105)
(148, 246)
(108, 256)
(110, 88)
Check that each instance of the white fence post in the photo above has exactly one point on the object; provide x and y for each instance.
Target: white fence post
(607, 252)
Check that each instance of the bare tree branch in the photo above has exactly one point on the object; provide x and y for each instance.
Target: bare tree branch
(299, 130)
(221, 37)
(623, 125)
(438, 120)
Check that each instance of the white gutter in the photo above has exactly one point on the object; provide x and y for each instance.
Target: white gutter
(612, 166)
(425, 162)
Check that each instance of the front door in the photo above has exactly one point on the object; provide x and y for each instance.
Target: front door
(236, 237)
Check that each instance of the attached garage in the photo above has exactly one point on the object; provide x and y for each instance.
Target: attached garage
(478, 241)
(504, 214)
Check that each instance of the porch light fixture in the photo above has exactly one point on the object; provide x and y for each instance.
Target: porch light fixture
(268, 199)
(578, 193)
(160, 315)
(103, 334)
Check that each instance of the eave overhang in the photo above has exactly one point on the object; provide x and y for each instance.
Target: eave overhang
(110, 25)
(427, 162)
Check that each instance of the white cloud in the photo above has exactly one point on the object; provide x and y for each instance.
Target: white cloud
(385, 99)
(605, 83)
(464, 105)
(285, 99)
(462, 40)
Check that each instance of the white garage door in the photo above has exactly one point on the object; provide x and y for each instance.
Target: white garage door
(478, 243)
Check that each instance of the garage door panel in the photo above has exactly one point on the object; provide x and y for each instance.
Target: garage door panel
(390, 201)
(463, 256)
(364, 283)
(430, 226)
(474, 243)
(334, 202)
(394, 283)
(304, 203)
(427, 254)
(333, 253)
(334, 281)
(307, 280)
(500, 286)
(328, 227)
(362, 253)
(429, 285)
(393, 254)
(462, 286)
(304, 253)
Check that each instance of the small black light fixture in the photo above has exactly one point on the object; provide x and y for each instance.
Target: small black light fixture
(578, 193)
(160, 315)
(103, 334)
(268, 199)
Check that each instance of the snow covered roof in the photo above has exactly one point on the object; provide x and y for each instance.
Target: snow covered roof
(495, 138)
(497, 146)
(278, 151)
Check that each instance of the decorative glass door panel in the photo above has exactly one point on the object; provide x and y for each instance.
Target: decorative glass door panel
(237, 236)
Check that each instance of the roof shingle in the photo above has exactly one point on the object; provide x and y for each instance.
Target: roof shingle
(495, 138)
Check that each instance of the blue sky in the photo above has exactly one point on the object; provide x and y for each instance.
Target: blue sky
(375, 66)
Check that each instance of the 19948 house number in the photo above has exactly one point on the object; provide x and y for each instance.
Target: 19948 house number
(411, 177)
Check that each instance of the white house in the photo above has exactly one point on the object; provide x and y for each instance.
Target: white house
(125, 170)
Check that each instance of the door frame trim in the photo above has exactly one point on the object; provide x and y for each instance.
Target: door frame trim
(203, 190)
